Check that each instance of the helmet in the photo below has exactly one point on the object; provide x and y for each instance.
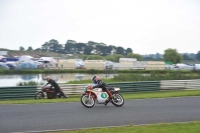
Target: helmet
(95, 79)
(47, 78)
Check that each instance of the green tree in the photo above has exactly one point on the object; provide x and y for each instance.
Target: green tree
(88, 50)
(54, 45)
(91, 43)
(85, 57)
(171, 55)
(94, 57)
(108, 49)
(186, 57)
(79, 48)
(99, 48)
(45, 47)
(103, 49)
(137, 56)
(29, 48)
(113, 49)
(21, 48)
(114, 57)
(58, 48)
(70, 47)
(158, 56)
(120, 50)
(38, 49)
(198, 56)
(129, 50)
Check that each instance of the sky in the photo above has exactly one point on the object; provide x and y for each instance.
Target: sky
(146, 26)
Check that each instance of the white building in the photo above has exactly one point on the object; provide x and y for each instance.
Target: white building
(155, 65)
(126, 63)
(94, 64)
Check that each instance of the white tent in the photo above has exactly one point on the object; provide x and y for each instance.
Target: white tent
(25, 58)
(3, 66)
(182, 66)
(197, 66)
(108, 64)
(79, 63)
(1, 56)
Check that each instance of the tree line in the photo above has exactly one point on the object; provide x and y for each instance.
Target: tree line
(89, 48)
(95, 50)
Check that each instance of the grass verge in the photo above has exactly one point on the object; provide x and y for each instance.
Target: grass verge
(135, 95)
(188, 127)
(93, 71)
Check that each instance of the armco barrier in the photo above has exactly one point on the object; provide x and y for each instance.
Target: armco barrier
(179, 84)
(19, 92)
(137, 86)
(126, 87)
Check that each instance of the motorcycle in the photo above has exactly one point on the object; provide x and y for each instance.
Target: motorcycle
(92, 96)
(49, 93)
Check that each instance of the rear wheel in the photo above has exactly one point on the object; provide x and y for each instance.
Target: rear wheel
(39, 95)
(87, 101)
(117, 100)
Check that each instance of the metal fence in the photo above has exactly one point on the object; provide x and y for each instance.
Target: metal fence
(77, 89)
(179, 84)
(137, 86)
(20, 92)
(126, 87)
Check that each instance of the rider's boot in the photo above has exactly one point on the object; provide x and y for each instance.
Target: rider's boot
(108, 100)
(63, 94)
(110, 97)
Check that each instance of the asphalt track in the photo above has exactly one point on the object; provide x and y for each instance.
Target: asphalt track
(40, 117)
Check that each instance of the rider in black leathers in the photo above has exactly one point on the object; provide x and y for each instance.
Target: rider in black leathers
(100, 84)
(56, 87)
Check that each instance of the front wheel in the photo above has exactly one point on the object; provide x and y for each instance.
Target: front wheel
(39, 95)
(117, 100)
(87, 101)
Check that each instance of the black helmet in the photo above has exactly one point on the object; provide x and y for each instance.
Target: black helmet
(95, 79)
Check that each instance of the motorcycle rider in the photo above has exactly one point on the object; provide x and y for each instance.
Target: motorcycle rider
(100, 84)
(56, 87)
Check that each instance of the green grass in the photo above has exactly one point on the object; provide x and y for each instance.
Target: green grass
(33, 101)
(136, 95)
(188, 127)
(131, 77)
(93, 71)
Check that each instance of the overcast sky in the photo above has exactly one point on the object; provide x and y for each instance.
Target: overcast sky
(146, 26)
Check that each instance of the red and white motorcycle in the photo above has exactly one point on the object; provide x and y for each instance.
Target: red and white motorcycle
(92, 96)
